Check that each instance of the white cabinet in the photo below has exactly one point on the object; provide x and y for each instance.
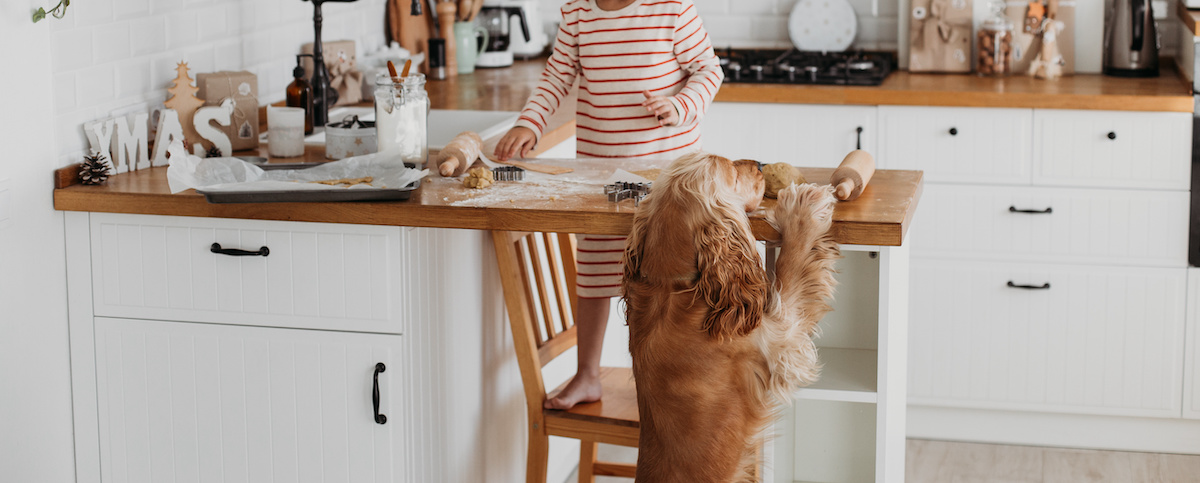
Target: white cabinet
(313, 275)
(802, 135)
(1112, 149)
(955, 144)
(1078, 339)
(205, 402)
(1125, 227)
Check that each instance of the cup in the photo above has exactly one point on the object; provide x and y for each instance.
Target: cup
(285, 131)
(466, 36)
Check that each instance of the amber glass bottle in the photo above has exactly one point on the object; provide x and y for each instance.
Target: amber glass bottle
(299, 94)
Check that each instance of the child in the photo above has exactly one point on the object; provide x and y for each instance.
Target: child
(647, 73)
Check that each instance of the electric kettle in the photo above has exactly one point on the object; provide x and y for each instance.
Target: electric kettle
(1131, 40)
(495, 19)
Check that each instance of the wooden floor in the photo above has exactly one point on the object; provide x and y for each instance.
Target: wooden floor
(947, 462)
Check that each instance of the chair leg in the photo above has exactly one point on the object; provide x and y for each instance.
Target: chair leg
(538, 458)
(587, 459)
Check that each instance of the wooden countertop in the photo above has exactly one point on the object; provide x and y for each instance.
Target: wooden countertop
(507, 89)
(573, 203)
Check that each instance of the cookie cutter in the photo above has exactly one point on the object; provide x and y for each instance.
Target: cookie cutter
(620, 191)
(508, 173)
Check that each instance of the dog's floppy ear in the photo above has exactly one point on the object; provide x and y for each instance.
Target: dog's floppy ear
(732, 282)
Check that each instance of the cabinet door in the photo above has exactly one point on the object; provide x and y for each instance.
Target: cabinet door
(958, 144)
(1191, 380)
(1112, 149)
(200, 402)
(799, 134)
(1096, 340)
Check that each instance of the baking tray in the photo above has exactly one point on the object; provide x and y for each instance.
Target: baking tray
(315, 196)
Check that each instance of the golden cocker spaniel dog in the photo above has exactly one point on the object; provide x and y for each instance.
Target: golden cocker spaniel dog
(717, 348)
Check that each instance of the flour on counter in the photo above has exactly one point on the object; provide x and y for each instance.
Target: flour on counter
(535, 187)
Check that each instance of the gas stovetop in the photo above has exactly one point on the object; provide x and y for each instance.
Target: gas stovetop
(795, 67)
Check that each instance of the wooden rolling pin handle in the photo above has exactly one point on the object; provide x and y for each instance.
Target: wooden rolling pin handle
(844, 190)
(449, 166)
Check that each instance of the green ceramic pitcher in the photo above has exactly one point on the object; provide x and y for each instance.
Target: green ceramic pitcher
(465, 40)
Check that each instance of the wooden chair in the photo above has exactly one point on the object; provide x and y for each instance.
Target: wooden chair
(537, 271)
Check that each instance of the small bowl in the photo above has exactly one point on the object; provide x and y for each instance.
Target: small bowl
(344, 142)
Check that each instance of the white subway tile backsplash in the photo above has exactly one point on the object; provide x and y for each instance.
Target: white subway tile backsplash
(133, 78)
(753, 7)
(92, 12)
(64, 92)
(72, 50)
(705, 7)
(111, 42)
(96, 85)
(148, 36)
(181, 30)
(768, 28)
(211, 23)
(228, 56)
(123, 9)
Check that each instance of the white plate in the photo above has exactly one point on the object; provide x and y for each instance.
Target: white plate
(822, 25)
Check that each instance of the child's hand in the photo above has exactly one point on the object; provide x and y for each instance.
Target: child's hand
(661, 106)
(518, 140)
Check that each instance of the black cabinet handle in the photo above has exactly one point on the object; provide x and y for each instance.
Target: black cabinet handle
(1047, 211)
(858, 144)
(1112, 135)
(953, 131)
(233, 252)
(1044, 286)
(379, 418)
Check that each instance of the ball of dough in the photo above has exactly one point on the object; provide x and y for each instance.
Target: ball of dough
(778, 176)
(478, 178)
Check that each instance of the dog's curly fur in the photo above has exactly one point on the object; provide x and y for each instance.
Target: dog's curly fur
(716, 347)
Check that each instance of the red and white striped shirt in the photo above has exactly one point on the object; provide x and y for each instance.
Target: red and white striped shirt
(655, 45)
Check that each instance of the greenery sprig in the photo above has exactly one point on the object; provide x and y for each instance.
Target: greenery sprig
(57, 12)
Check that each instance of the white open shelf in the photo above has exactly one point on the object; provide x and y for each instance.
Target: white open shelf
(847, 375)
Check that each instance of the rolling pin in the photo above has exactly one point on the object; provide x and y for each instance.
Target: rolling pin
(446, 14)
(852, 176)
(459, 153)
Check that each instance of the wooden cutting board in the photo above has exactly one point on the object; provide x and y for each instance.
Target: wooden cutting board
(411, 31)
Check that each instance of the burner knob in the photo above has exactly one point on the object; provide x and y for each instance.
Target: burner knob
(791, 71)
(812, 72)
(736, 69)
(758, 71)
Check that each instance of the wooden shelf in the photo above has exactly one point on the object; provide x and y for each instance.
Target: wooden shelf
(847, 375)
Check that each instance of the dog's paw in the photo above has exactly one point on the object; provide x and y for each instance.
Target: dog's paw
(805, 206)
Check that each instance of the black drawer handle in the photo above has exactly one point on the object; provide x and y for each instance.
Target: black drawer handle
(233, 252)
(1044, 286)
(379, 418)
(1112, 135)
(953, 131)
(1047, 211)
(858, 143)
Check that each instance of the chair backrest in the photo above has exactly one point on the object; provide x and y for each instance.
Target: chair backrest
(537, 271)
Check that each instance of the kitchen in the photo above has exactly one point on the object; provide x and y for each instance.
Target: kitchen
(107, 59)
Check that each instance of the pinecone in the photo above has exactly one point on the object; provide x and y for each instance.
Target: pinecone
(94, 169)
(213, 152)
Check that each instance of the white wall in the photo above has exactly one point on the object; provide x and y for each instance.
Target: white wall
(35, 392)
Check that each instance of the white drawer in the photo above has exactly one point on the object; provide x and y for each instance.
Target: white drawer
(956, 144)
(1098, 340)
(1084, 225)
(803, 135)
(1112, 149)
(316, 276)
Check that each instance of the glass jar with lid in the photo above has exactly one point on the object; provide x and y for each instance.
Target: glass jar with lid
(402, 117)
(995, 39)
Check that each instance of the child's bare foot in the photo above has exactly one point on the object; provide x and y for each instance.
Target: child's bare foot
(581, 389)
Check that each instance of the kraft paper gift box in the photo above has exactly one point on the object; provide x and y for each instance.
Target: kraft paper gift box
(342, 64)
(940, 36)
(242, 87)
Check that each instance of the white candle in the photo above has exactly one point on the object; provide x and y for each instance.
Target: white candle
(285, 131)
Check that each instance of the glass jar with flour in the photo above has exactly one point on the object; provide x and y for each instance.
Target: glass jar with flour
(402, 117)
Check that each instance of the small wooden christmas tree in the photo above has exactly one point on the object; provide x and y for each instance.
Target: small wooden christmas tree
(184, 101)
